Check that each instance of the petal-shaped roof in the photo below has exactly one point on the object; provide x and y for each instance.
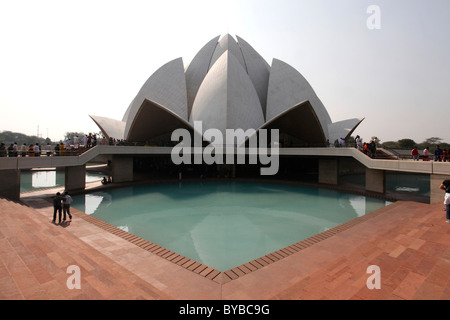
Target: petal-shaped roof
(228, 85)
(167, 88)
(197, 70)
(227, 43)
(153, 120)
(287, 87)
(227, 98)
(342, 129)
(258, 71)
(110, 128)
(301, 122)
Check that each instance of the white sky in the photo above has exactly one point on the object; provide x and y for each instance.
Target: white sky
(63, 60)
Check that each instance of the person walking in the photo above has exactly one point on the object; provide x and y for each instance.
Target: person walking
(446, 186)
(57, 207)
(66, 205)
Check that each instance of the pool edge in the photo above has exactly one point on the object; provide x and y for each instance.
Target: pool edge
(222, 277)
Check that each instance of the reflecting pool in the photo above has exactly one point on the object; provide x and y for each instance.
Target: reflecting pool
(224, 224)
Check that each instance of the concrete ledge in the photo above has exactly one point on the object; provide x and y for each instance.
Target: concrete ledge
(430, 167)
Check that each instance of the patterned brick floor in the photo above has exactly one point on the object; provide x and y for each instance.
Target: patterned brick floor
(408, 241)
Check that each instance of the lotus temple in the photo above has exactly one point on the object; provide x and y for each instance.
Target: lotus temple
(228, 85)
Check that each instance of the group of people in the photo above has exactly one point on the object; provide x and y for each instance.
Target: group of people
(61, 205)
(106, 181)
(369, 149)
(439, 154)
(33, 150)
(36, 150)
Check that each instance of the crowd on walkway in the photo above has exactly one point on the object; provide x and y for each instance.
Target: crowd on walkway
(441, 155)
(68, 147)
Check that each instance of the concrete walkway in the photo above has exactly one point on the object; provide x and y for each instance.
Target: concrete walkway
(408, 241)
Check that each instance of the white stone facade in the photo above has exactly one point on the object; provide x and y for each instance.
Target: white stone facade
(228, 85)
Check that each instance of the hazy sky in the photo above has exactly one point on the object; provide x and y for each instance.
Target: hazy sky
(63, 60)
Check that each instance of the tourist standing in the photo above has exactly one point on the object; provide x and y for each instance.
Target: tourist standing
(373, 148)
(437, 154)
(3, 150)
(75, 142)
(66, 205)
(57, 207)
(415, 154)
(48, 148)
(23, 150)
(15, 149)
(446, 186)
(426, 154)
(358, 143)
(37, 150)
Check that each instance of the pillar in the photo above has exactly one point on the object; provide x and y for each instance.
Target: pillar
(122, 169)
(10, 184)
(436, 194)
(375, 180)
(329, 171)
(75, 178)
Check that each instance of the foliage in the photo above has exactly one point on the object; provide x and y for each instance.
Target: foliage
(432, 143)
(406, 143)
(71, 135)
(9, 137)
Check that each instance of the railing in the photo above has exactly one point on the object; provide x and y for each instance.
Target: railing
(43, 153)
(405, 154)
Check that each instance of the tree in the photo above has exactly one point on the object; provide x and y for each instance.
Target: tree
(406, 143)
(70, 135)
(8, 137)
(390, 144)
(433, 141)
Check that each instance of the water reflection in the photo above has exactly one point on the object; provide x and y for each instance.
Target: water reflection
(39, 179)
(224, 224)
(90, 202)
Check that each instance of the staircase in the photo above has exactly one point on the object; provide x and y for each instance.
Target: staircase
(384, 155)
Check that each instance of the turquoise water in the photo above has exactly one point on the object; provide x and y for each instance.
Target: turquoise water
(224, 225)
(40, 179)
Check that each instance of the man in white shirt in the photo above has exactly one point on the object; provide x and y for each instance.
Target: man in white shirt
(37, 150)
(67, 200)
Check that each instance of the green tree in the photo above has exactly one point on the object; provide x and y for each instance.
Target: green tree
(433, 141)
(406, 143)
(70, 135)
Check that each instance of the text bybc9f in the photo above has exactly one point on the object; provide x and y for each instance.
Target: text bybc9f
(217, 149)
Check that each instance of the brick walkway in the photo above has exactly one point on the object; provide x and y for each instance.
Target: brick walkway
(409, 242)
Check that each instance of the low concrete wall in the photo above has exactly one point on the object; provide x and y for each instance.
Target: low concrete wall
(122, 168)
(75, 178)
(375, 180)
(436, 194)
(329, 171)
